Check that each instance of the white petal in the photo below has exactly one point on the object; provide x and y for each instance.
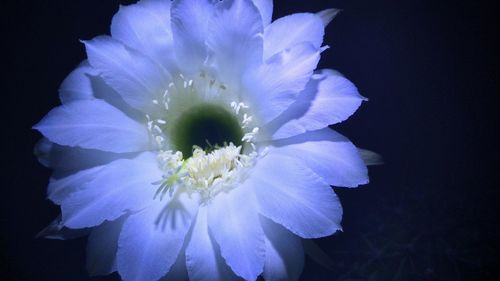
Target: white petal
(370, 157)
(329, 98)
(327, 15)
(134, 76)
(329, 154)
(57, 230)
(151, 240)
(275, 85)
(234, 223)
(291, 30)
(235, 39)
(69, 159)
(77, 85)
(121, 186)
(145, 27)
(294, 196)
(178, 271)
(60, 188)
(190, 29)
(266, 10)
(84, 83)
(102, 246)
(203, 259)
(94, 124)
(284, 253)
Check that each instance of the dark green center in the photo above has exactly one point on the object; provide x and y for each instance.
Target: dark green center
(206, 126)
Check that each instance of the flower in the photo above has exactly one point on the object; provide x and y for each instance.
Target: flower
(194, 142)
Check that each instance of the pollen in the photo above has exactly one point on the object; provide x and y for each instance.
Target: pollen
(206, 173)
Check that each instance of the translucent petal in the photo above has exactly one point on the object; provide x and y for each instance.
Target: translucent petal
(121, 186)
(60, 188)
(77, 85)
(275, 85)
(328, 98)
(57, 230)
(234, 223)
(134, 76)
(102, 246)
(145, 27)
(284, 253)
(266, 10)
(235, 47)
(94, 124)
(297, 28)
(190, 29)
(329, 154)
(178, 271)
(69, 159)
(84, 83)
(151, 240)
(203, 258)
(327, 15)
(292, 195)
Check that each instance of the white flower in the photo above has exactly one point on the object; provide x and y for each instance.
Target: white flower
(195, 141)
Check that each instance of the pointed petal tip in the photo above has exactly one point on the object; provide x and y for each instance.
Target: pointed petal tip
(328, 15)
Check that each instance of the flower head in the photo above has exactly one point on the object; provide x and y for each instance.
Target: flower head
(194, 142)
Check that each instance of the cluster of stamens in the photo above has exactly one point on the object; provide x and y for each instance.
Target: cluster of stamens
(205, 172)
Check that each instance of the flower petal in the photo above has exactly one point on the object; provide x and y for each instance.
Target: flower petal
(145, 27)
(60, 188)
(84, 83)
(294, 196)
(275, 85)
(57, 230)
(299, 28)
(329, 154)
(329, 98)
(234, 223)
(121, 186)
(77, 85)
(203, 258)
(327, 15)
(235, 47)
(178, 271)
(190, 29)
(102, 246)
(94, 124)
(284, 253)
(70, 159)
(266, 10)
(151, 240)
(134, 76)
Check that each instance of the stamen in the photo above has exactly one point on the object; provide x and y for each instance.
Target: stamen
(204, 173)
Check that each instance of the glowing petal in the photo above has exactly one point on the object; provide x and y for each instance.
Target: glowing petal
(329, 154)
(294, 196)
(134, 76)
(94, 124)
(203, 258)
(113, 192)
(299, 28)
(151, 240)
(328, 98)
(235, 225)
(284, 253)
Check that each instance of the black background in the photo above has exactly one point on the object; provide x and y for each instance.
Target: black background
(428, 68)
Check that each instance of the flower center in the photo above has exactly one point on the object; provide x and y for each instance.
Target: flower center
(205, 126)
(205, 136)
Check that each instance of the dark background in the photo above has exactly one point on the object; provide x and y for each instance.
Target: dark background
(428, 68)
